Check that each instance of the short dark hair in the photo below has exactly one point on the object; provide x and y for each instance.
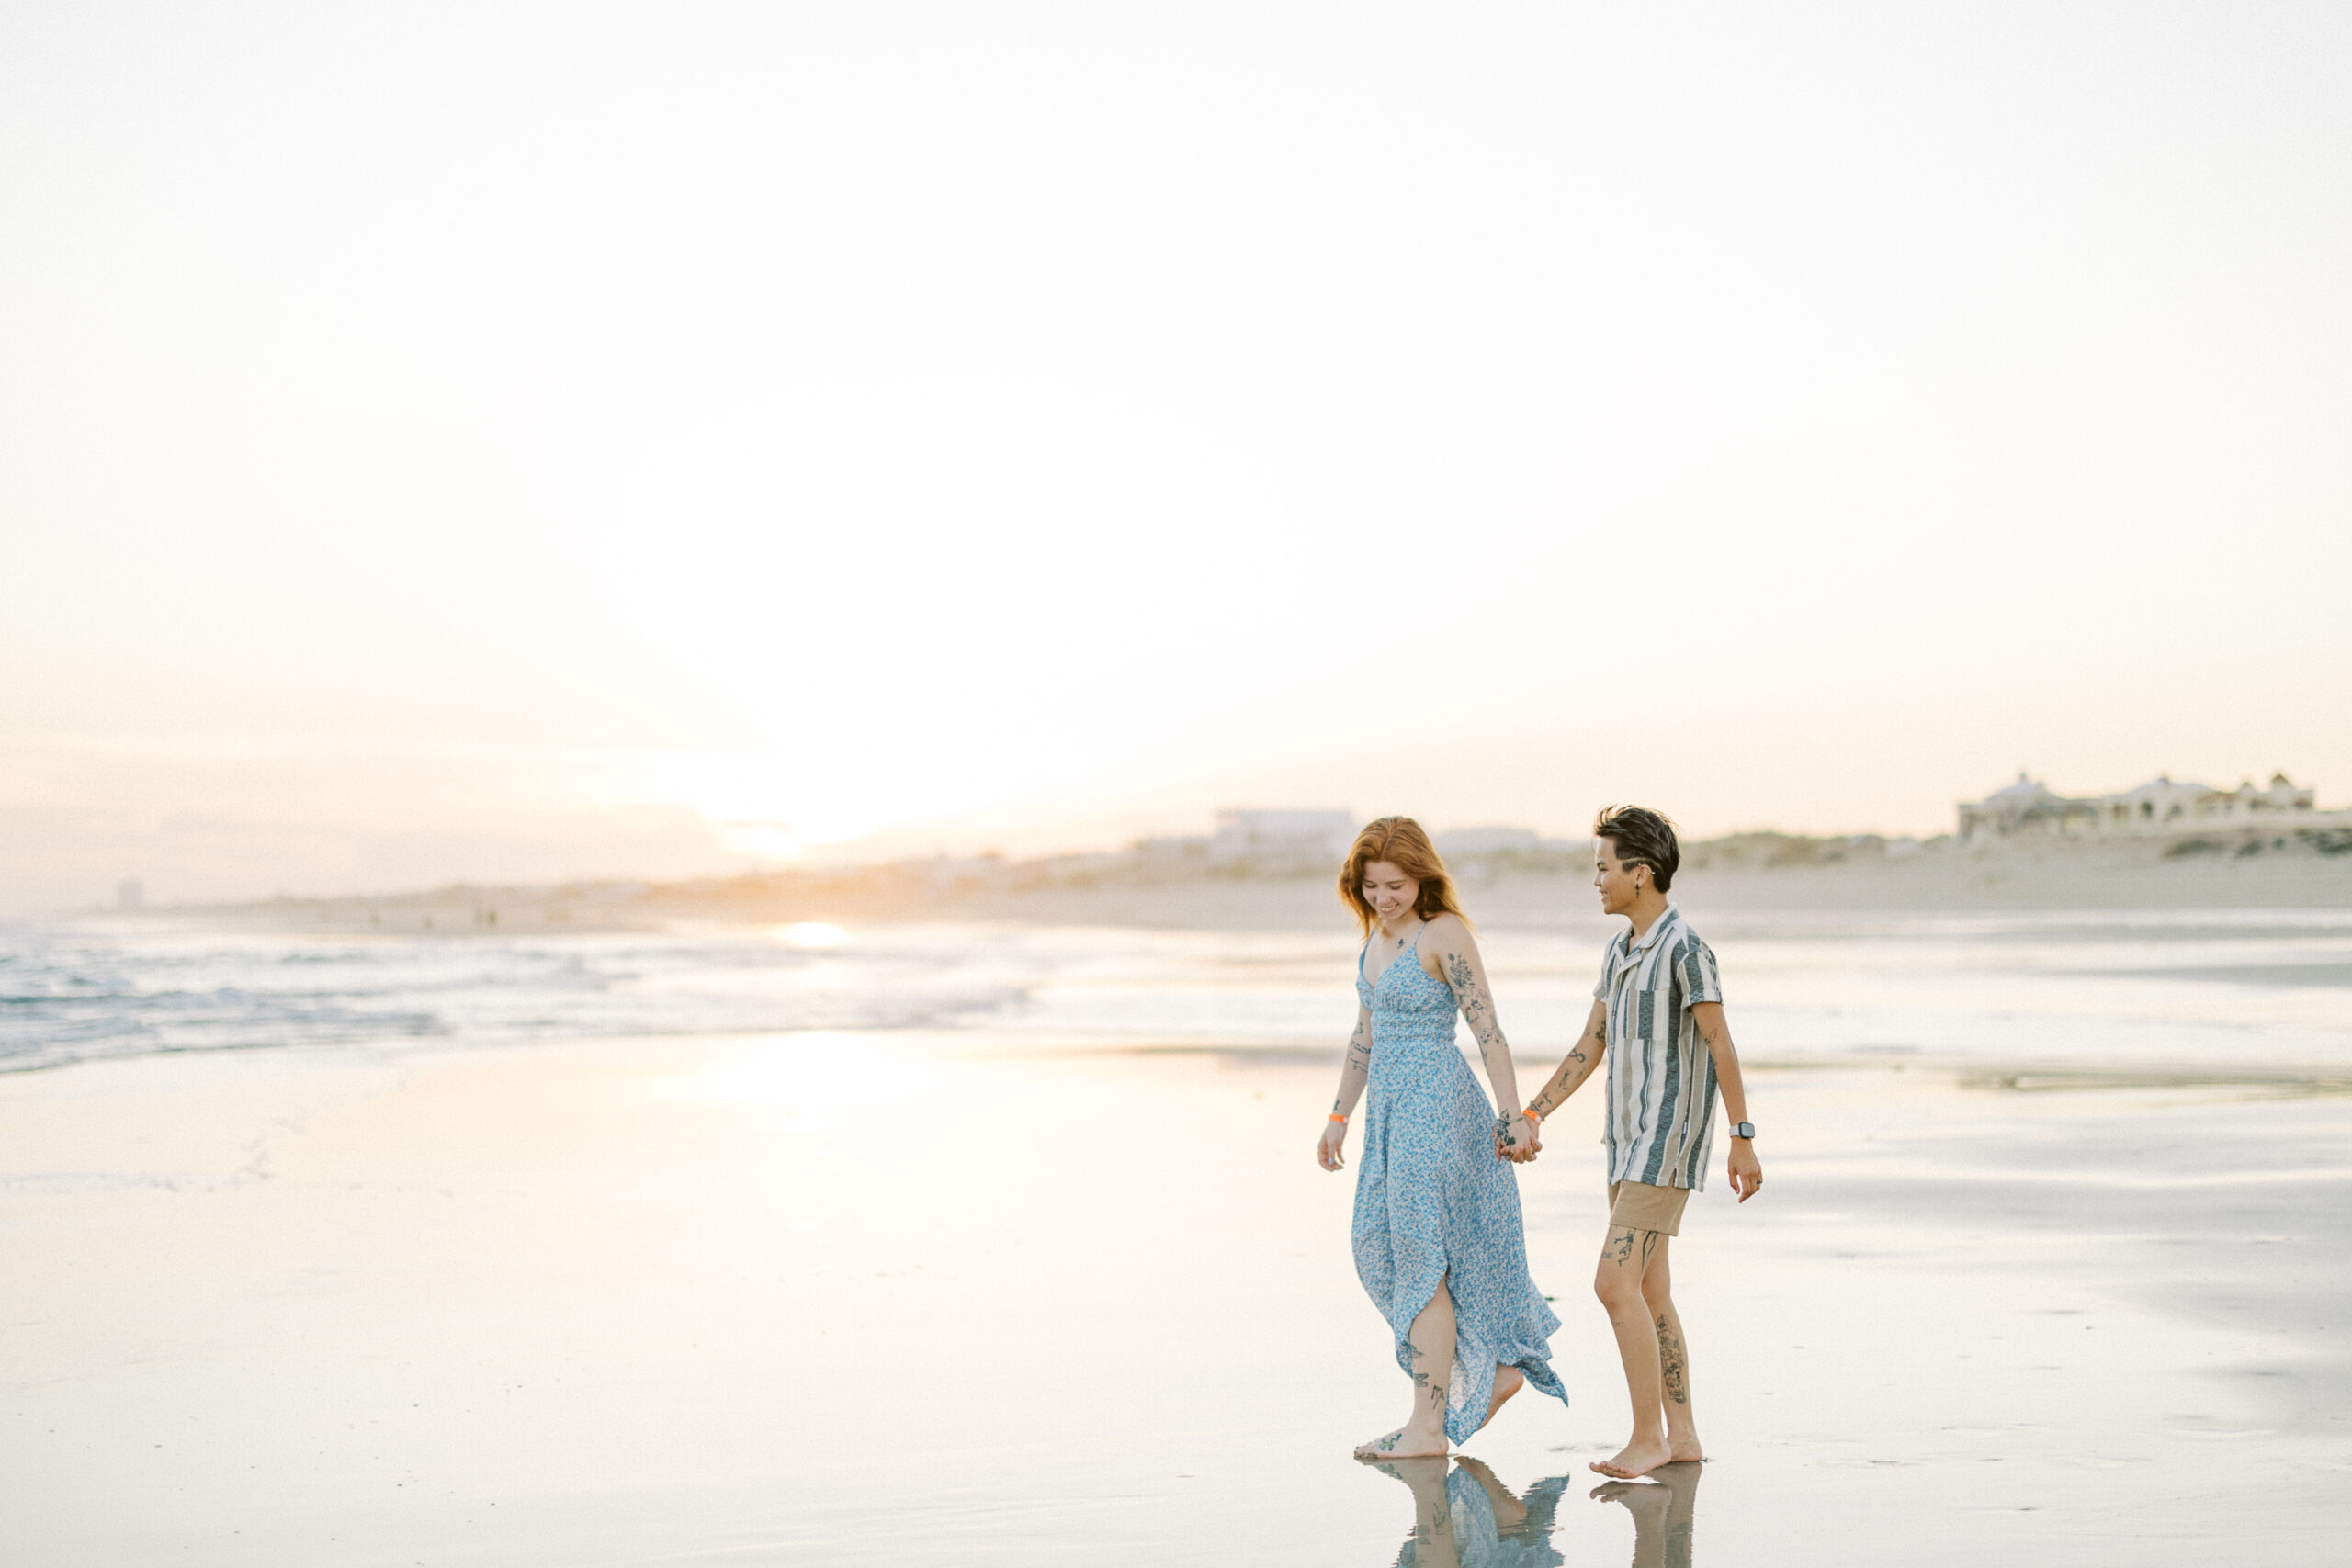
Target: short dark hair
(1643, 837)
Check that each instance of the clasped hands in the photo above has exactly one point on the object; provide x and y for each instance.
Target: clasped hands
(1516, 1139)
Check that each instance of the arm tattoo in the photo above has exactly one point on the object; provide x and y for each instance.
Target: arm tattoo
(1576, 1065)
(1477, 1008)
(1465, 981)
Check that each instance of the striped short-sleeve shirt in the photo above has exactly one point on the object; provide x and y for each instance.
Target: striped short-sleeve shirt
(1661, 1117)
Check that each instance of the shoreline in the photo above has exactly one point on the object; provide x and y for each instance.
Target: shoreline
(2257, 1000)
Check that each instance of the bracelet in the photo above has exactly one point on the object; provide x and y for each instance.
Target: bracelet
(1335, 1116)
(1532, 1114)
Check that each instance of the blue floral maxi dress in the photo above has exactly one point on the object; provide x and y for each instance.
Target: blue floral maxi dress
(1433, 1204)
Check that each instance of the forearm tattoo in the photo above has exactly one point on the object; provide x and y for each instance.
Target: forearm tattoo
(1356, 1065)
(1569, 1075)
(1573, 1069)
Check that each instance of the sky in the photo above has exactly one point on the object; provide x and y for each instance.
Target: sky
(513, 442)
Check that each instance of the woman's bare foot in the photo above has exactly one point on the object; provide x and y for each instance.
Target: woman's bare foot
(1508, 1381)
(1636, 1457)
(1405, 1443)
(1684, 1451)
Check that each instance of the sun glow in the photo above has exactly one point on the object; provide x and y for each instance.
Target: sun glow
(821, 1076)
(769, 807)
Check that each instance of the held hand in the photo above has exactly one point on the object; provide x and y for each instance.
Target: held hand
(1745, 1171)
(1516, 1139)
(1327, 1148)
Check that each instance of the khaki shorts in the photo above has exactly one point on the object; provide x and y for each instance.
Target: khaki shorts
(1638, 1206)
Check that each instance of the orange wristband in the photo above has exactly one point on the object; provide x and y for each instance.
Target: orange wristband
(1532, 1114)
(1337, 1117)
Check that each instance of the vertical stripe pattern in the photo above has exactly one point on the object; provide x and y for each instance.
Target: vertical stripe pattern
(1661, 1113)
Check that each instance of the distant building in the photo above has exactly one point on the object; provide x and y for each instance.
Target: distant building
(2162, 805)
(1284, 837)
(1172, 847)
(1487, 840)
(2027, 805)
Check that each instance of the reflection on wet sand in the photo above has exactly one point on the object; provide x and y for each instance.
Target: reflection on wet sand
(1662, 1509)
(1467, 1518)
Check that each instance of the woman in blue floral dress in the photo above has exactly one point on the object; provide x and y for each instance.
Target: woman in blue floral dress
(1439, 1241)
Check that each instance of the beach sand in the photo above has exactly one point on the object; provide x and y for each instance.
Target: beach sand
(886, 1298)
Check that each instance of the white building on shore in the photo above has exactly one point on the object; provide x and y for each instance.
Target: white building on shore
(1487, 842)
(1281, 836)
(2161, 805)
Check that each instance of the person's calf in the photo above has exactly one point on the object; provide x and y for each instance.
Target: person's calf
(1674, 1384)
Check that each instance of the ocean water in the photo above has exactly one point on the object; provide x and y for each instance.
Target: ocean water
(2211, 991)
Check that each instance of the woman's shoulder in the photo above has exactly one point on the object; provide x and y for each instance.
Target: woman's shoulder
(1450, 931)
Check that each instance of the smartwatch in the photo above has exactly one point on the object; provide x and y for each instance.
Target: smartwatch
(1744, 1130)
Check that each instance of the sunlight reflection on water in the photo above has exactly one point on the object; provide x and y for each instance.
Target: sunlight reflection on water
(2210, 989)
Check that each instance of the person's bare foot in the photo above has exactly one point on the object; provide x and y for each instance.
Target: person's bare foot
(1508, 1381)
(1636, 1458)
(1404, 1443)
(1683, 1451)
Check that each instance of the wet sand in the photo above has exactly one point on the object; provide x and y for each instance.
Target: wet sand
(870, 1298)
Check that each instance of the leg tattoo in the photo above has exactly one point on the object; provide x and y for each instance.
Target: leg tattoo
(1672, 1366)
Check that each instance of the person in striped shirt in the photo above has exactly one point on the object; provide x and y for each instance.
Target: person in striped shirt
(1657, 1023)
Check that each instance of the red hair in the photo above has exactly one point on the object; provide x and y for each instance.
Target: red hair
(1400, 841)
